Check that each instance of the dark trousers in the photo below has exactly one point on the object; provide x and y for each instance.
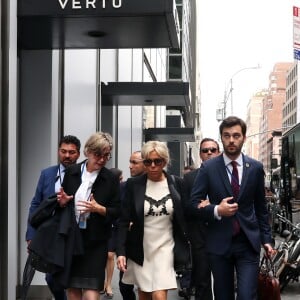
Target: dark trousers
(57, 291)
(201, 273)
(126, 290)
(242, 259)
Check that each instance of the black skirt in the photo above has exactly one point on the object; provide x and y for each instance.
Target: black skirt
(88, 270)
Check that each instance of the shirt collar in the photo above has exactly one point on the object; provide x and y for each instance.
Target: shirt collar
(61, 168)
(228, 161)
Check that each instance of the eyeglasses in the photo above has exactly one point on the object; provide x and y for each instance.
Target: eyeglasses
(212, 150)
(157, 162)
(135, 162)
(106, 156)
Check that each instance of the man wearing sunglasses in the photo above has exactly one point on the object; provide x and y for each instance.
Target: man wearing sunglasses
(201, 277)
(136, 168)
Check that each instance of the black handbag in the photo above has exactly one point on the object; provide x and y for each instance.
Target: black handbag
(183, 256)
(40, 264)
(45, 210)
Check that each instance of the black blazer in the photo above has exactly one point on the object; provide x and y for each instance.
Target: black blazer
(130, 242)
(57, 240)
(197, 228)
(106, 191)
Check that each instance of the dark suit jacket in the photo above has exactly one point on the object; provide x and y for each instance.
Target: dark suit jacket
(106, 191)
(57, 240)
(130, 242)
(197, 228)
(212, 181)
(45, 188)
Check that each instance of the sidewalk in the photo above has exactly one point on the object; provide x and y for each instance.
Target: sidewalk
(291, 292)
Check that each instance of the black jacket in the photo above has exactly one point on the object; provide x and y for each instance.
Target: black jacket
(130, 243)
(57, 240)
(106, 191)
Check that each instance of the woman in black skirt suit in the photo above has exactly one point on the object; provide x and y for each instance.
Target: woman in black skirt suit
(94, 193)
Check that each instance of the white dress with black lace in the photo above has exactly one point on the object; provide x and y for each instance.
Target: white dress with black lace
(157, 272)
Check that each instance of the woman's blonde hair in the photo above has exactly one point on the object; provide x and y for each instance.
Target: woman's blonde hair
(160, 147)
(98, 142)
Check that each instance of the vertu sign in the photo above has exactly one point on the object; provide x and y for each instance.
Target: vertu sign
(92, 24)
(92, 7)
(86, 4)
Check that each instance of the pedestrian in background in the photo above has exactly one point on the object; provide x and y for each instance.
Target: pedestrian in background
(201, 274)
(48, 185)
(136, 168)
(110, 264)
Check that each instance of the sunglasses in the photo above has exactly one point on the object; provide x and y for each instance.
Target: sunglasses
(212, 150)
(156, 161)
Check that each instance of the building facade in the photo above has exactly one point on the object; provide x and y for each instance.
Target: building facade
(291, 113)
(76, 79)
(271, 119)
(254, 113)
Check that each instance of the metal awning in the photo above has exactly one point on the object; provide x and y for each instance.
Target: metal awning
(92, 24)
(170, 134)
(146, 93)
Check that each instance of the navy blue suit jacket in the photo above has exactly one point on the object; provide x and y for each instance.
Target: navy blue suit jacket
(212, 181)
(45, 188)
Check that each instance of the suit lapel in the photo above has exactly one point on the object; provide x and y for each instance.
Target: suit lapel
(246, 169)
(52, 179)
(221, 169)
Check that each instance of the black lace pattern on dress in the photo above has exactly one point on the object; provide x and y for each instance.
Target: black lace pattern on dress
(157, 204)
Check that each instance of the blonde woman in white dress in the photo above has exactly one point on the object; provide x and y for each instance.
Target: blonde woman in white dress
(152, 227)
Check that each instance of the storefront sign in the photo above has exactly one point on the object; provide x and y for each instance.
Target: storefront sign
(92, 7)
(92, 24)
(86, 4)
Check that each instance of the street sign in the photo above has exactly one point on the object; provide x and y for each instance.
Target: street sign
(297, 54)
(296, 32)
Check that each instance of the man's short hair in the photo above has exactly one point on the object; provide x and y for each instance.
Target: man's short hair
(70, 139)
(233, 121)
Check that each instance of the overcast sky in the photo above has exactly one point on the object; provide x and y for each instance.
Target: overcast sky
(233, 35)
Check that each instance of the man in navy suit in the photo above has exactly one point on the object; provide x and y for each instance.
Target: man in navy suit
(48, 185)
(236, 214)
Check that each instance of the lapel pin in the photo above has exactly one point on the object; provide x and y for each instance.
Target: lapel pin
(247, 165)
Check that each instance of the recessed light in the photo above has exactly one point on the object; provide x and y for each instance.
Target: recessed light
(96, 33)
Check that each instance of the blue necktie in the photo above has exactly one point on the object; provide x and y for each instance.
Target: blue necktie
(235, 185)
